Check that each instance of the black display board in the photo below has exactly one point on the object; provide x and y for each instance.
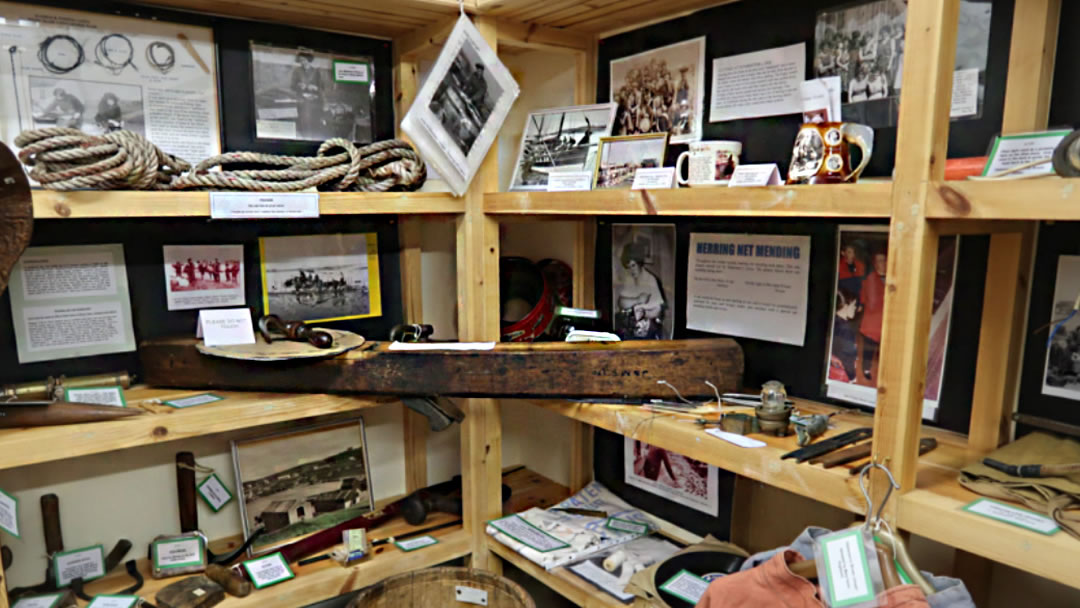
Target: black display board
(143, 240)
(743, 27)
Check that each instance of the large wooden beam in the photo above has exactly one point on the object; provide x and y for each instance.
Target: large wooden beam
(912, 261)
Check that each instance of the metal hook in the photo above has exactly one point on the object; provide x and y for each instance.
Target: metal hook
(863, 474)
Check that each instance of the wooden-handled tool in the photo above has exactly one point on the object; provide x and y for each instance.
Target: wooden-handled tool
(1033, 470)
(272, 327)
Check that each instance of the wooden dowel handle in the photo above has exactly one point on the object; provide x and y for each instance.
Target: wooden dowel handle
(185, 491)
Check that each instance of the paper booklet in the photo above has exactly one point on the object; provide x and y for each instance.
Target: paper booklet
(611, 569)
(570, 537)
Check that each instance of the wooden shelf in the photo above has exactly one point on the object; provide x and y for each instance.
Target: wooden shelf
(834, 486)
(1045, 198)
(239, 410)
(85, 204)
(933, 510)
(865, 200)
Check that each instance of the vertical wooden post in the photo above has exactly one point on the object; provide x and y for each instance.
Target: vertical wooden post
(478, 319)
(920, 161)
(1001, 339)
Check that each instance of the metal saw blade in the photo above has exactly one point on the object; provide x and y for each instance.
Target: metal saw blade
(16, 213)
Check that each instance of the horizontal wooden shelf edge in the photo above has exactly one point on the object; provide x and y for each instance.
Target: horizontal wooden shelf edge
(86, 204)
(1044, 198)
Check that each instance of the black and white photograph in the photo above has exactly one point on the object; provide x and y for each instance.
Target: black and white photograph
(203, 276)
(461, 107)
(863, 44)
(94, 107)
(560, 140)
(661, 91)
(643, 281)
(620, 157)
(689, 482)
(1062, 376)
(808, 156)
(324, 277)
(302, 481)
(307, 95)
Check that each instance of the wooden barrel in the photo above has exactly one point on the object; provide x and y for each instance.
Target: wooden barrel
(438, 587)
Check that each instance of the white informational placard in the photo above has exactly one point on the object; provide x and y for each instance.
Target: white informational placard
(1014, 150)
(263, 205)
(569, 181)
(214, 492)
(71, 302)
(739, 440)
(848, 569)
(965, 93)
(114, 601)
(1036, 522)
(178, 553)
(762, 83)
(87, 564)
(100, 73)
(686, 586)
(661, 178)
(1062, 355)
(527, 534)
(193, 400)
(821, 99)
(429, 346)
(269, 570)
(203, 276)
(9, 514)
(225, 326)
(413, 544)
(749, 285)
(755, 175)
(351, 71)
(39, 601)
(104, 395)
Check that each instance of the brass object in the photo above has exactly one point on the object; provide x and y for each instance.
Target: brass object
(740, 424)
(808, 428)
(53, 388)
(774, 413)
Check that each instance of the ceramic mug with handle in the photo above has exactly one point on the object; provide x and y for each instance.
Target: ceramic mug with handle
(711, 163)
(822, 153)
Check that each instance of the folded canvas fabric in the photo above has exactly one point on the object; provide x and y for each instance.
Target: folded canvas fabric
(1057, 497)
(642, 584)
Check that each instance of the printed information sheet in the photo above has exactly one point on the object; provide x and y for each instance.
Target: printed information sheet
(71, 302)
(762, 83)
(752, 286)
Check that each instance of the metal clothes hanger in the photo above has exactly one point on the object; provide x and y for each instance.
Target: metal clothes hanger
(891, 541)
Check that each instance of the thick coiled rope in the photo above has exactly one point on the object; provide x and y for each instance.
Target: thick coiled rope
(68, 159)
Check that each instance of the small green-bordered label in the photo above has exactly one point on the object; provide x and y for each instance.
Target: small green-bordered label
(197, 549)
(833, 551)
(685, 585)
(353, 72)
(39, 601)
(102, 395)
(518, 521)
(413, 544)
(59, 570)
(193, 400)
(214, 493)
(269, 570)
(625, 525)
(9, 514)
(997, 144)
(1017, 516)
(114, 601)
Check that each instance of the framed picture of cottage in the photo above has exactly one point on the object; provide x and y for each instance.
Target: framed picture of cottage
(302, 481)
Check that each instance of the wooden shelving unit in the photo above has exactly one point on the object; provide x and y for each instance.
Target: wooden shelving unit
(1042, 198)
(563, 582)
(96, 204)
(865, 200)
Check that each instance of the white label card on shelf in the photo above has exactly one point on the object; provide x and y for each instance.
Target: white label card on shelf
(269, 570)
(114, 601)
(193, 400)
(263, 205)
(225, 326)
(178, 553)
(622, 525)
(737, 439)
(425, 346)
(755, 175)
(1014, 150)
(527, 534)
(847, 580)
(1029, 520)
(39, 601)
(413, 544)
(569, 181)
(686, 586)
(9, 514)
(654, 179)
(214, 492)
(106, 395)
(87, 564)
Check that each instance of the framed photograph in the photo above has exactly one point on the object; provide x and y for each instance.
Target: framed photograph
(324, 277)
(1061, 377)
(458, 112)
(302, 481)
(683, 480)
(203, 276)
(621, 157)
(307, 95)
(289, 89)
(661, 90)
(560, 140)
(643, 281)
